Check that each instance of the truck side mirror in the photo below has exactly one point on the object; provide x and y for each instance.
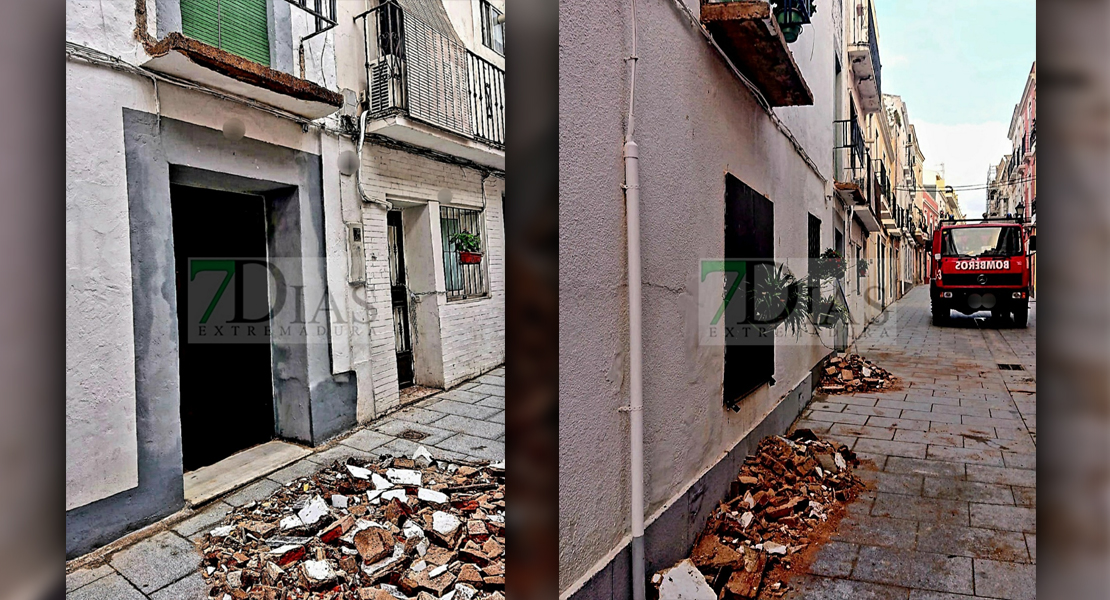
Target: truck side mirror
(1032, 243)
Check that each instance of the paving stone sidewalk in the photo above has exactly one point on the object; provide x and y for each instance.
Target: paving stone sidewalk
(953, 513)
(467, 422)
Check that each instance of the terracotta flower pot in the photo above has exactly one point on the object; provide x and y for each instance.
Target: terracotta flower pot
(470, 258)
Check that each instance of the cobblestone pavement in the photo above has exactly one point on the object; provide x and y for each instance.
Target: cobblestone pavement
(953, 512)
(467, 422)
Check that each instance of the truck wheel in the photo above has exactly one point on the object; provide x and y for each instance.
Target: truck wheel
(940, 314)
(1021, 316)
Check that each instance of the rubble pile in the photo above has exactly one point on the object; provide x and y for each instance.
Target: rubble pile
(394, 528)
(854, 373)
(785, 501)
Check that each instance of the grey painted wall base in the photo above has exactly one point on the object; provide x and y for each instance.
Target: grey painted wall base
(311, 405)
(671, 537)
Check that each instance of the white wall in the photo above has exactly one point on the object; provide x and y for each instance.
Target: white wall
(100, 352)
(472, 332)
(695, 122)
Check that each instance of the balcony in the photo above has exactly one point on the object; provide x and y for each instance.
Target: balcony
(854, 179)
(236, 64)
(882, 190)
(425, 88)
(751, 38)
(863, 53)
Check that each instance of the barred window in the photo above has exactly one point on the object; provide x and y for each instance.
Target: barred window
(463, 280)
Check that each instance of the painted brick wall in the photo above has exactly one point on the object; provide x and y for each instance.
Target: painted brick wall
(473, 331)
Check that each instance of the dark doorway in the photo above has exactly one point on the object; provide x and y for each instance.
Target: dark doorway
(227, 389)
(402, 338)
(749, 236)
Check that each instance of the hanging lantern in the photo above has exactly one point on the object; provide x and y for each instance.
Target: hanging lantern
(791, 15)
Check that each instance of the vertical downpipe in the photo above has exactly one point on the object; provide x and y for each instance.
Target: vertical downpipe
(635, 349)
(635, 354)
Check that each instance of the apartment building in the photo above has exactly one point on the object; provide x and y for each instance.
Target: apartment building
(263, 198)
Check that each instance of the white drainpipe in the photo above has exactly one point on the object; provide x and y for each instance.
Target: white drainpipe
(635, 349)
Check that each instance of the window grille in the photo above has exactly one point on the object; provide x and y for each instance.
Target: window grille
(462, 280)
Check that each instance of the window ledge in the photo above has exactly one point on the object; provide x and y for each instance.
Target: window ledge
(196, 61)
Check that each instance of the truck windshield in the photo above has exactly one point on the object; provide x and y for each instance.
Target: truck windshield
(970, 242)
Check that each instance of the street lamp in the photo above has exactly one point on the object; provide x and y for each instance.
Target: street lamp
(791, 15)
(1020, 210)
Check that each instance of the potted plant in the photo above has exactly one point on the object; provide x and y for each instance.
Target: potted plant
(469, 247)
(831, 313)
(830, 265)
(861, 268)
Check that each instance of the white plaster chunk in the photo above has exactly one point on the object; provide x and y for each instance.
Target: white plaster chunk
(403, 476)
(318, 570)
(222, 531)
(412, 530)
(436, 572)
(359, 472)
(684, 582)
(839, 460)
(419, 566)
(398, 494)
(290, 522)
(774, 548)
(314, 511)
(746, 519)
(339, 501)
(444, 523)
(431, 496)
(498, 465)
(464, 591)
(380, 483)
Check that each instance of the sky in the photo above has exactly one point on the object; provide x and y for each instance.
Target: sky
(960, 66)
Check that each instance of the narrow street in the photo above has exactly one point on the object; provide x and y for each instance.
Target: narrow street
(953, 511)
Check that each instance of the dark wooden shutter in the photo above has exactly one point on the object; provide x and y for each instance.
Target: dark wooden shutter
(749, 235)
(237, 26)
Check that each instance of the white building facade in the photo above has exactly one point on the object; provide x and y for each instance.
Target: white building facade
(742, 154)
(201, 138)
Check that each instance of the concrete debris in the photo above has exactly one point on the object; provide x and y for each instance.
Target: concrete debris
(685, 582)
(396, 528)
(784, 492)
(854, 373)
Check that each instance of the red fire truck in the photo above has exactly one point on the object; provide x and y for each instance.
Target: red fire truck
(982, 265)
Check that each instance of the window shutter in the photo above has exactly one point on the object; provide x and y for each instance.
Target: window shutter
(749, 235)
(244, 29)
(198, 21)
(237, 26)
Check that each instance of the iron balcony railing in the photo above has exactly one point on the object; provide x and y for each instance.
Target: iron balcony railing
(853, 162)
(414, 69)
(864, 29)
(882, 181)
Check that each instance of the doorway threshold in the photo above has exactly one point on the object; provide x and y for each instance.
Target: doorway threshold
(239, 469)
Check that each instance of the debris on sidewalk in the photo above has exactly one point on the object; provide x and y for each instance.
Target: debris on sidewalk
(786, 500)
(848, 374)
(394, 528)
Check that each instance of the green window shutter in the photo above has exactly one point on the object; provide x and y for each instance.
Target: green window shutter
(198, 21)
(242, 26)
(244, 30)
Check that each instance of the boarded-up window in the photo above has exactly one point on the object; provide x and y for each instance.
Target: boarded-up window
(749, 236)
(237, 26)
